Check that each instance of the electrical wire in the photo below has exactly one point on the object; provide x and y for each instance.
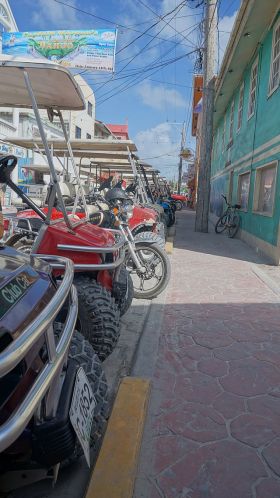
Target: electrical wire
(115, 23)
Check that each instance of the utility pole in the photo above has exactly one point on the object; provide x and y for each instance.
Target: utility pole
(203, 191)
(183, 138)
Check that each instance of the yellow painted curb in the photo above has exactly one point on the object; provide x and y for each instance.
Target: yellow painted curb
(115, 470)
(169, 245)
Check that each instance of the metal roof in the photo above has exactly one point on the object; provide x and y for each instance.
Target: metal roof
(53, 85)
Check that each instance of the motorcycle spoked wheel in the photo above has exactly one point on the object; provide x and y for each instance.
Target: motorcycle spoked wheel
(150, 284)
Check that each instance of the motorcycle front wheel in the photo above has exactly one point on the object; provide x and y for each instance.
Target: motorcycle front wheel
(155, 276)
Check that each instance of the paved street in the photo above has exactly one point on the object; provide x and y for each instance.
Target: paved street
(213, 425)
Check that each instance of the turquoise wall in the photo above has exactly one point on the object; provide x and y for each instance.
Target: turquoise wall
(255, 132)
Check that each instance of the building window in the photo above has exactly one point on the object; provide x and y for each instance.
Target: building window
(240, 107)
(231, 122)
(265, 189)
(253, 89)
(78, 132)
(88, 136)
(243, 190)
(275, 60)
(224, 133)
(89, 108)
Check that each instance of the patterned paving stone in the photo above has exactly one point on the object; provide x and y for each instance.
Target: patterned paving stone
(219, 470)
(254, 430)
(271, 454)
(197, 387)
(250, 378)
(229, 405)
(213, 341)
(268, 488)
(268, 406)
(170, 448)
(193, 421)
(213, 367)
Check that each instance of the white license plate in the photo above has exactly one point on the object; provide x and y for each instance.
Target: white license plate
(82, 411)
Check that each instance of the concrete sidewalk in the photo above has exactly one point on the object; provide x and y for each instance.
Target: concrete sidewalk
(213, 425)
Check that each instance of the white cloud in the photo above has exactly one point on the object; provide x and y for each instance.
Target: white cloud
(52, 15)
(157, 96)
(160, 147)
(225, 28)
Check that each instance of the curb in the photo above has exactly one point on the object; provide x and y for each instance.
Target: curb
(115, 470)
(266, 279)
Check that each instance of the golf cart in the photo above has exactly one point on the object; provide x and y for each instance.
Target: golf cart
(49, 374)
(99, 274)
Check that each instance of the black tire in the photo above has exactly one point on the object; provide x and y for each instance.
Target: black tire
(151, 237)
(82, 353)
(98, 315)
(221, 224)
(125, 303)
(158, 252)
(235, 223)
(179, 205)
(172, 218)
(20, 242)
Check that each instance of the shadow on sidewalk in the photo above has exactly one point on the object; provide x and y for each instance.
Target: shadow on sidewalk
(212, 243)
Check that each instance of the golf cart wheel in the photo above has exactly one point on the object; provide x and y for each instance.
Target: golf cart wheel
(83, 355)
(54, 440)
(151, 237)
(124, 303)
(98, 316)
(179, 205)
(20, 242)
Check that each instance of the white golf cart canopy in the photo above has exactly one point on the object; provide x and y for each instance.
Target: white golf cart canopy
(53, 86)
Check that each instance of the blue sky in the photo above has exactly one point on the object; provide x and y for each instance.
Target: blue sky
(158, 100)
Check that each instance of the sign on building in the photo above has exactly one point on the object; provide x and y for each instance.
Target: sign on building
(94, 49)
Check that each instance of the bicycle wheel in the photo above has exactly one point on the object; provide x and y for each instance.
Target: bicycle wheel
(221, 224)
(233, 225)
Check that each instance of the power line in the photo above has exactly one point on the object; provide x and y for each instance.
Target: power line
(136, 82)
(167, 23)
(114, 23)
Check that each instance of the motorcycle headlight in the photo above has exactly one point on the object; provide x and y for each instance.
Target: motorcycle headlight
(128, 210)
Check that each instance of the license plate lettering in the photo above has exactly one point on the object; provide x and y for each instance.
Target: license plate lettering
(82, 411)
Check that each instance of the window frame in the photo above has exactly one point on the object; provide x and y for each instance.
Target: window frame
(272, 60)
(244, 173)
(88, 136)
(240, 108)
(78, 128)
(255, 65)
(257, 185)
(89, 105)
(224, 133)
(231, 122)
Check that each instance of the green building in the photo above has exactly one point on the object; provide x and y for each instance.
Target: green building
(246, 142)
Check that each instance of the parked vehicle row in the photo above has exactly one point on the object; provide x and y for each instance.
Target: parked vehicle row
(68, 272)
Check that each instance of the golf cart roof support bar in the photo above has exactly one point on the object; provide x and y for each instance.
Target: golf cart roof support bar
(26, 199)
(140, 187)
(147, 183)
(75, 169)
(46, 147)
(17, 422)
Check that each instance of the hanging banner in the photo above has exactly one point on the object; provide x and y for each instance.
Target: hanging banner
(93, 49)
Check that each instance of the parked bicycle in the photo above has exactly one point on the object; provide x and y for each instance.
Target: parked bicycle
(230, 219)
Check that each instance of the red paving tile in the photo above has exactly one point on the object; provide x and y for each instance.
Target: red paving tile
(214, 421)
